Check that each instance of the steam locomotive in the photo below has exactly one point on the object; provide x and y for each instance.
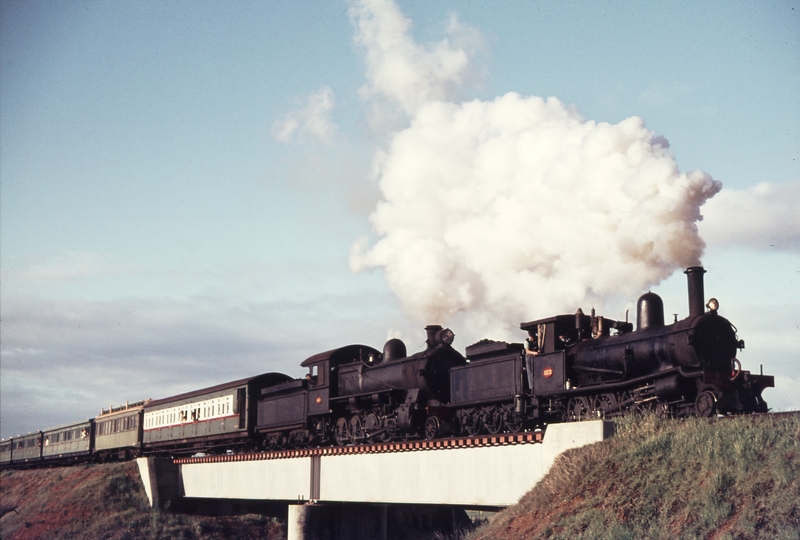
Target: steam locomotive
(574, 367)
(571, 367)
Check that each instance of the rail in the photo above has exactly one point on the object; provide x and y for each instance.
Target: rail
(531, 437)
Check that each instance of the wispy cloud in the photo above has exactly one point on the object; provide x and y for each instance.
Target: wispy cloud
(65, 267)
(765, 216)
(310, 120)
(63, 359)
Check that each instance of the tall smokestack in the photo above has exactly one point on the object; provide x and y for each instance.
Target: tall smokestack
(694, 277)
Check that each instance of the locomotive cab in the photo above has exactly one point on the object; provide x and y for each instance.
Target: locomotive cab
(323, 370)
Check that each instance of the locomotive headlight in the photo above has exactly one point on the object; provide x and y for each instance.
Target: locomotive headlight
(445, 336)
(713, 304)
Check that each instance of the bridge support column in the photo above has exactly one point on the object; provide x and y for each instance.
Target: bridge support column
(161, 479)
(337, 522)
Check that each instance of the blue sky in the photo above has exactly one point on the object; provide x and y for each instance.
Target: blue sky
(182, 184)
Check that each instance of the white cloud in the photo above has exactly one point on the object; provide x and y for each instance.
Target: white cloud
(313, 119)
(765, 216)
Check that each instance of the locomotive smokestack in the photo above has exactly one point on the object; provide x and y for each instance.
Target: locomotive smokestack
(694, 277)
(432, 330)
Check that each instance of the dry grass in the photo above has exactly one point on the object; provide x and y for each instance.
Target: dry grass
(726, 479)
(107, 502)
(732, 478)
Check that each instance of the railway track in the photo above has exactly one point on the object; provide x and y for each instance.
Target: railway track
(531, 437)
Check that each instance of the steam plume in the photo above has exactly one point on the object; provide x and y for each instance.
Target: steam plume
(506, 210)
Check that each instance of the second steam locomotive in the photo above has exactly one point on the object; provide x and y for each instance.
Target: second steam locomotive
(571, 367)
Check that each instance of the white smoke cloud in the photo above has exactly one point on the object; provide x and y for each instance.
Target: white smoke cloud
(506, 210)
(766, 216)
(402, 73)
(312, 119)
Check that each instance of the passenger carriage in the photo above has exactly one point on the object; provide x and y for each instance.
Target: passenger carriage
(67, 442)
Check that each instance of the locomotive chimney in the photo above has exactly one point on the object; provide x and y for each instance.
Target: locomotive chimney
(694, 277)
(432, 330)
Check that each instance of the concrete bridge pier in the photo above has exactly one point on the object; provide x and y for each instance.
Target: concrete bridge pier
(337, 522)
(162, 480)
(355, 521)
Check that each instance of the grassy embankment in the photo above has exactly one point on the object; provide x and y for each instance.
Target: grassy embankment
(737, 478)
(107, 502)
(717, 479)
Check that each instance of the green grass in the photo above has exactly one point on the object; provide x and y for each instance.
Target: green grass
(693, 478)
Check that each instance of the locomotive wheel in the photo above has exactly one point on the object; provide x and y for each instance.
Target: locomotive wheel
(625, 402)
(472, 423)
(578, 408)
(391, 430)
(356, 429)
(663, 410)
(605, 404)
(342, 432)
(431, 427)
(493, 420)
(371, 424)
(514, 423)
(628, 402)
(705, 405)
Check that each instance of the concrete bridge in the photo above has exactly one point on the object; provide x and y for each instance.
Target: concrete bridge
(488, 472)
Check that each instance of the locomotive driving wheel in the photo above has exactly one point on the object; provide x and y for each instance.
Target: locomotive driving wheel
(341, 432)
(663, 410)
(578, 408)
(390, 429)
(371, 424)
(356, 426)
(605, 404)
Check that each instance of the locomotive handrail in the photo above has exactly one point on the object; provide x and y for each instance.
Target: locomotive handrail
(620, 384)
(600, 370)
